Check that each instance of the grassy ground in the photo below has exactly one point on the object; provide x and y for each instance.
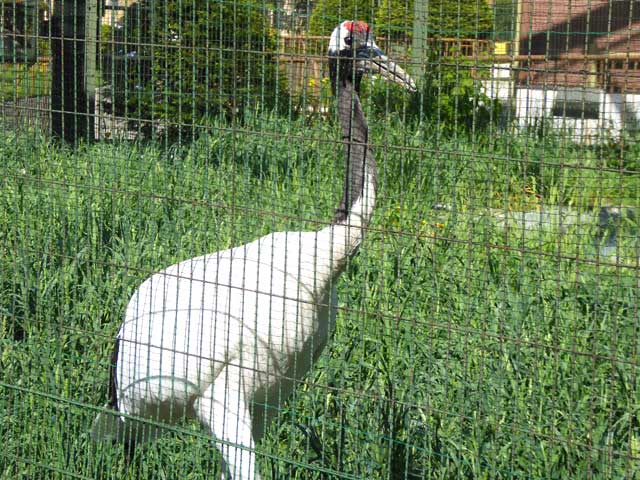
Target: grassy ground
(462, 350)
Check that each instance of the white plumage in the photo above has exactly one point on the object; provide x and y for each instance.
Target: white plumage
(223, 338)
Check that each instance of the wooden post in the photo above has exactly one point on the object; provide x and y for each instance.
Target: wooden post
(92, 33)
(420, 31)
(73, 27)
(515, 50)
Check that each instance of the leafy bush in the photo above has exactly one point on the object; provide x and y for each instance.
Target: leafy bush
(505, 14)
(329, 13)
(394, 19)
(449, 97)
(445, 18)
(184, 61)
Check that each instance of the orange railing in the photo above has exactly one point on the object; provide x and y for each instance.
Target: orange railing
(311, 45)
(18, 80)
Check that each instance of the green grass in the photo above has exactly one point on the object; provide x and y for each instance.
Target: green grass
(462, 350)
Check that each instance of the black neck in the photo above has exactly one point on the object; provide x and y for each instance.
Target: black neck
(341, 71)
(355, 135)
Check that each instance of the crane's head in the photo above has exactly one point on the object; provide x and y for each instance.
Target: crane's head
(353, 52)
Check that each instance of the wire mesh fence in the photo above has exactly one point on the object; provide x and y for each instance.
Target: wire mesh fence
(464, 306)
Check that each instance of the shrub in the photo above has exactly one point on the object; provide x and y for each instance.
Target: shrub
(394, 19)
(184, 61)
(328, 13)
(452, 98)
(449, 97)
(445, 18)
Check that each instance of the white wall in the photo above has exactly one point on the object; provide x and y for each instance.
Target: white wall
(531, 105)
(616, 111)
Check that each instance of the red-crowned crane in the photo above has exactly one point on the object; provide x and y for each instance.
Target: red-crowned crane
(224, 337)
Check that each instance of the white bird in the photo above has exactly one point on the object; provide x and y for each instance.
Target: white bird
(224, 337)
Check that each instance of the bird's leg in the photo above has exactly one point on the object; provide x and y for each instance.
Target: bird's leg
(224, 411)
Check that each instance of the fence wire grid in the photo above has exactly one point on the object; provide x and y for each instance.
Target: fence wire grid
(485, 266)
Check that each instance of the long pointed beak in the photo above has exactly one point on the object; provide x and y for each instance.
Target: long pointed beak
(373, 61)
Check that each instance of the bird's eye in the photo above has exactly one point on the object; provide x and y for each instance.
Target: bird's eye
(347, 40)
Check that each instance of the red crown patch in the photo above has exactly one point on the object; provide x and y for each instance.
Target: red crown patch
(357, 27)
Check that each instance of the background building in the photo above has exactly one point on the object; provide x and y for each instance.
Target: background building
(578, 64)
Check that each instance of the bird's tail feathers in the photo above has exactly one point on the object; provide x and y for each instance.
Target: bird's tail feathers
(108, 426)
